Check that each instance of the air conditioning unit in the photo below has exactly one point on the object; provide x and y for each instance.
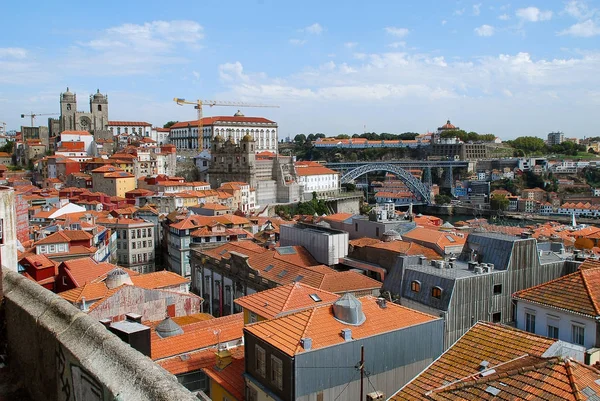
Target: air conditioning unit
(376, 396)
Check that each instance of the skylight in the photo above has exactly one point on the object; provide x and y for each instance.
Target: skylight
(268, 268)
(315, 297)
(492, 390)
(298, 278)
(449, 237)
(282, 273)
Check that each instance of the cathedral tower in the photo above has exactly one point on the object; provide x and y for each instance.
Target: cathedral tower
(68, 109)
(99, 110)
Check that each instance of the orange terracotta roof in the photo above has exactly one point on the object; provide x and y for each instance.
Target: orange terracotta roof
(83, 270)
(348, 281)
(212, 120)
(39, 261)
(590, 264)
(84, 133)
(338, 217)
(89, 291)
(485, 341)
(159, 279)
(434, 237)
(197, 360)
(197, 336)
(577, 292)
(58, 237)
(526, 379)
(304, 170)
(231, 378)
(319, 324)
(284, 300)
(129, 123)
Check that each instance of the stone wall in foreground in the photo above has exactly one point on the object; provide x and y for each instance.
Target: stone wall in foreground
(62, 354)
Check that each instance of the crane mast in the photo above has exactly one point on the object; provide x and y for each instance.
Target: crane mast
(198, 104)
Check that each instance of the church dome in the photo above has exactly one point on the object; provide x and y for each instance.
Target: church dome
(218, 138)
(68, 92)
(98, 95)
(239, 114)
(247, 138)
(448, 125)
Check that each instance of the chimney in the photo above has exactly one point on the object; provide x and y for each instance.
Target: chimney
(135, 334)
(381, 302)
(306, 343)
(106, 322)
(422, 260)
(133, 317)
(346, 334)
(224, 359)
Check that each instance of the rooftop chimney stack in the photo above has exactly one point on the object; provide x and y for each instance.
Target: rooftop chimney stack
(346, 334)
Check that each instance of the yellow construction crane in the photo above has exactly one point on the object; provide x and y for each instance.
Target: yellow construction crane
(198, 104)
(34, 115)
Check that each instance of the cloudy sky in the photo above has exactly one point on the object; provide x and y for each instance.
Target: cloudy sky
(512, 69)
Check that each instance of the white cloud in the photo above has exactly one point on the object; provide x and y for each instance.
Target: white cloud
(507, 93)
(578, 9)
(297, 42)
(484, 30)
(350, 45)
(398, 32)
(444, 22)
(314, 29)
(504, 17)
(585, 29)
(231, 72)
(533, 14)
(13, 52)
(459, 12)
(395, 45)
(476, 9)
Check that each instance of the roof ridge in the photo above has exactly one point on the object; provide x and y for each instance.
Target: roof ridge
(588, 290)
(516, 294)
(572, 381)
(310, 317)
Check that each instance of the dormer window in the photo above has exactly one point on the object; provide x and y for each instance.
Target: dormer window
(415, 286)
(436, 292)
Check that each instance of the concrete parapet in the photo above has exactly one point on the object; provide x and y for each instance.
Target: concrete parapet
(63, 354)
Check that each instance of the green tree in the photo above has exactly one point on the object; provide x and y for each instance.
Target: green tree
(8, 148)
(408, 136)
(170, 124)
(499, 202)
(300, 139)
(528, 144)
(342, 136)
(441, 199)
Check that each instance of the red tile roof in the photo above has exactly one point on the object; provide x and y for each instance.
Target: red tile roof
(577, 292)
(129, 123)
(483, 342)
(285, 299)
(526, 379)
(198, 336)
(159, 279)
(319, 324)
(228, 119)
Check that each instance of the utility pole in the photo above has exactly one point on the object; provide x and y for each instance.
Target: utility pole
(362, 370)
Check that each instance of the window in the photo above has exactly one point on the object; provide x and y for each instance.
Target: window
(552, 331)
(578, 334)
(377, 231)
(252, 317)
(276, 372)
(497, 289)
(260, 360)
(530, 322)
(133, 245)
(496, 317)
(436, 292)
(415, 286)
(355, 226)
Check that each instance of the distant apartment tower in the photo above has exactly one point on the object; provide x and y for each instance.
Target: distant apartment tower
(556, 138)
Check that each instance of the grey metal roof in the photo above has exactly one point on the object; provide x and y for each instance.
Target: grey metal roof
(168, 328)
(492, 248)
(427, 282)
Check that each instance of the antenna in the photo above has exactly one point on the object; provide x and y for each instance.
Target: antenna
(217, 334)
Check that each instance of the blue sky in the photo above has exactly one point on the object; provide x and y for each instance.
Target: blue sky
(508, 68)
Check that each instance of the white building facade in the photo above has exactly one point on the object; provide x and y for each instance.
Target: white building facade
(184, 135)
(316, 177)
(139, 128)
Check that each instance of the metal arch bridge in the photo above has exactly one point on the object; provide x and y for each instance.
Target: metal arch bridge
(416, 186)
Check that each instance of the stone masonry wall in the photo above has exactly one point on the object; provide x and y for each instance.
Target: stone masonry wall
(63, 354)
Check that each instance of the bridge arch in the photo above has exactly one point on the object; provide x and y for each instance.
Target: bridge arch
(416, 186)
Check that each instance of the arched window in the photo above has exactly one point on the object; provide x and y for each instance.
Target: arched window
(436, 292)
(99, 107)
(415, 286)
